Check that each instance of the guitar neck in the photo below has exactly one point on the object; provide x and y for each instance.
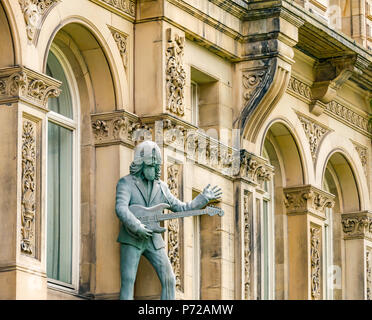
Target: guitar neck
(181, 214)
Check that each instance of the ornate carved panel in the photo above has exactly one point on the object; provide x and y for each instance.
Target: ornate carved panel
(119, 127)
(299, 89)
(314, 133)
(357, 225)
(315, 260)
(253, 80)
(25, 84)
(175, 228)
(307, 198)
(34, 12)
(369, 273)
(362, 152)
(247, 230)
(121, 40)
(29, 185)
(175, 73)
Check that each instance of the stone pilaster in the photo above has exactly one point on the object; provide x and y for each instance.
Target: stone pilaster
(357, 230)
(24, 95)
(306, 214)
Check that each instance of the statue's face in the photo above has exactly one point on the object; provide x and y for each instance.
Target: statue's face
(149, 172)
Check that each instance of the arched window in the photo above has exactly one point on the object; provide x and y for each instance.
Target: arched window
(62, 179)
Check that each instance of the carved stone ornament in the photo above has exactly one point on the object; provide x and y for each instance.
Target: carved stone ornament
(29, 183)
(121, 7)
(357, 225)
(307, 198)
(369, 273)
(122, 42)
(175, 73)
(252, 80)
(349, 117)
(119, 127)
(315, 262)
(247, 248)
(27, 85)
(33, 12)
(254, 168)
(299, 89)
(362, 152)
(314, 133)
(174, 243)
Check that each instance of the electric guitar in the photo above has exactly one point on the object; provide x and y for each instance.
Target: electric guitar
(151, 216)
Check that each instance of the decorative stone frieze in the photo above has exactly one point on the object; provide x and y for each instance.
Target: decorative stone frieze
(307, 199)
(29, 185)
(34, 12)
(315, 254)
(247, 247)
(121, 40)
(175, 75)
(20, 83)
(119, 127)
(357, 225)
(349, 117)
(124, 8)
(314, 133)
(334, 109)
(299, 89)
(174, 241)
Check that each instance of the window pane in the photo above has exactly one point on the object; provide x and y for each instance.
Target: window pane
(59, 215)
(63, 103)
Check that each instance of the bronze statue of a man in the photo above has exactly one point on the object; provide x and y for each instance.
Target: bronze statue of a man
(143, 187)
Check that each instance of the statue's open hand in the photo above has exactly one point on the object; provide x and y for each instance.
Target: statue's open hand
(143, 232)
(212, 193)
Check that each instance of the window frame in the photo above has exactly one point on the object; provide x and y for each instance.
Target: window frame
(73, 125)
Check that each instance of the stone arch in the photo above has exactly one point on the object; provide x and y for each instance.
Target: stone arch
(280, 144)
(81, 47)
(8, 37)
(352, 179)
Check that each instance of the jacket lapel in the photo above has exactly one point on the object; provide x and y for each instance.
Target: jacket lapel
(141, 187)
(155, 190)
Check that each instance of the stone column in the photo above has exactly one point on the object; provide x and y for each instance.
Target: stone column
(306, 215)
(248, 186)
(23, 106)
(357, 229)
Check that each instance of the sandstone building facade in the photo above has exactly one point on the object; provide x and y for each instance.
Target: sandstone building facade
(270, 100)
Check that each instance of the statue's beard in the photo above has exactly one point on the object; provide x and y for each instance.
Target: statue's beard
(149, 173)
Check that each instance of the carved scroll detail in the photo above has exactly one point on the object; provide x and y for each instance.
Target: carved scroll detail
(315, 262)
(174, 240)
(247, 248)
(29, 183)
(33, 12)
(175, 73)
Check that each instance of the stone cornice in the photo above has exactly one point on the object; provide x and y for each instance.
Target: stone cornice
(357, 225)
(307, 199)
(23, 84)
(334, 109)
(121, 127)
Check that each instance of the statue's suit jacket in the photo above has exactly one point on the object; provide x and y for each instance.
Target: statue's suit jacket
(132, 190)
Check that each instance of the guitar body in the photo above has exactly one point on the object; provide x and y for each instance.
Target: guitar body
(148, 215)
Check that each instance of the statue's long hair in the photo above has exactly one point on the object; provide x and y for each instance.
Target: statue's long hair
(136, 169)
